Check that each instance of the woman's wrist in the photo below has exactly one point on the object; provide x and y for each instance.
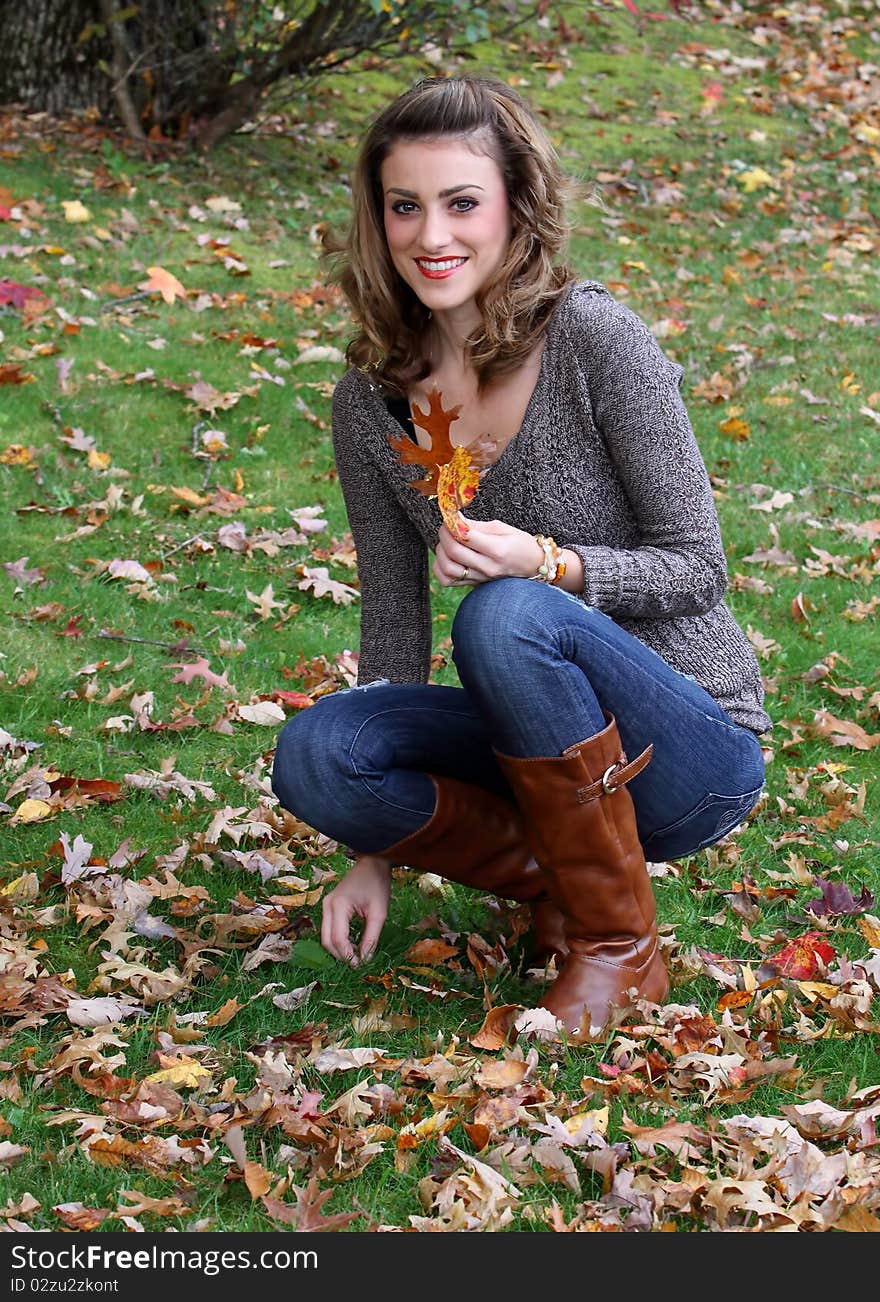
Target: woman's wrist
(558, 566)
(574, 577)
(377, 861)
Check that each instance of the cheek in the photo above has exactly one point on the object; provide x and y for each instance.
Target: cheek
(496, 226)
(395, 234)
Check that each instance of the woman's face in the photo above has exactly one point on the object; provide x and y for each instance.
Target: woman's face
(447, 218)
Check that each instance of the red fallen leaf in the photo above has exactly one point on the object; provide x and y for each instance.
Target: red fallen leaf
(799, 607)
(634, 9)
(15, 295)
(73, 629)
(801, 957)
(837, 899)
(478, 1133)
(5, 214)
(92, 788)
(295, 700)
(12, 373)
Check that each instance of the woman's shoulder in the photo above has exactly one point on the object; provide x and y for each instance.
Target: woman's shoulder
(608, 329)
(591, 304)
(354, 392)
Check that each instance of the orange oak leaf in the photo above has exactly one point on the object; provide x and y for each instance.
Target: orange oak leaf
(436, 422)
(453, 476)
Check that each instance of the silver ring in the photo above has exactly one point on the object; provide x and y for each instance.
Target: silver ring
(465, 571)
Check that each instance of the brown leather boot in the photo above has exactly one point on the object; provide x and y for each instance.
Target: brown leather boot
(581, 824)
(477, 839)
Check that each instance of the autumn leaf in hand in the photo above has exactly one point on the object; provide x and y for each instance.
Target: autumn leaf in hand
(457, 483)
(453, 477)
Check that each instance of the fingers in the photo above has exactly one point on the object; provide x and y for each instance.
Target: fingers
(456, 563)
(372, 930)
(335, 930)
(493, 550)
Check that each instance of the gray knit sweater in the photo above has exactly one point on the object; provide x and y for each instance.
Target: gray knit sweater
(606, 462)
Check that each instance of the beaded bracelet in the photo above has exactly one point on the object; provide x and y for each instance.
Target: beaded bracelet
(552, 567)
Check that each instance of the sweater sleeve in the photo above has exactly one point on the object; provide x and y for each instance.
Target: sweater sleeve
(677, 566)
(392, 559)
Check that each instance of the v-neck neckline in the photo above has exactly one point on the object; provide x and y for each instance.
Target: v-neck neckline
(550, 331)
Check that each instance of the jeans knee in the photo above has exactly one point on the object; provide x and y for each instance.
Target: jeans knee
(304, 764)
(485, 619)
(289, 749)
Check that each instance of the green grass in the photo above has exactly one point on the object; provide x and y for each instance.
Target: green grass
(771, 287)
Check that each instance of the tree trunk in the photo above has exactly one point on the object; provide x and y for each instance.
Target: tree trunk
(62, 55)
(190, 70)
(51, 55)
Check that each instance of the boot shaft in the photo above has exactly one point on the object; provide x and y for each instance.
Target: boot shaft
(581, 824)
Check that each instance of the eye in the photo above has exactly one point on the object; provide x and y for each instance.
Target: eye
(403, 206)
(469, 204)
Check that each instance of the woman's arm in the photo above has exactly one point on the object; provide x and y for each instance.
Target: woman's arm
(392, 560)
(678, 566)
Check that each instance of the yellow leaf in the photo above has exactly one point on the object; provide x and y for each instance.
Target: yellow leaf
(17, 455)
(598, 1117)
(735, 428)
(755, 179)
(186, 1072)
(818, 989)
(869, 926)
(9, 888)
(191, 496)
(869, 134)
(32, 811)
(457, 482)
(98, 460)
(427, 1127)
(75, 211)
(168, 286)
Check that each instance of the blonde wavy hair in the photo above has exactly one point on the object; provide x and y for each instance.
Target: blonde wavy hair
(515, 305)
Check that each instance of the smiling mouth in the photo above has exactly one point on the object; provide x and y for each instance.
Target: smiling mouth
(437, 268)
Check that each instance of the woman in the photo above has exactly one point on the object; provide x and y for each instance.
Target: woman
(594, 637)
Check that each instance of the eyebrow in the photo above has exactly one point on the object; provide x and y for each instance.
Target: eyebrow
(444, 194)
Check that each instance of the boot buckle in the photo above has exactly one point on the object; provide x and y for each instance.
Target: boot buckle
(607, 785)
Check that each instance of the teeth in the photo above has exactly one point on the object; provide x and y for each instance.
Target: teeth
(440, 266)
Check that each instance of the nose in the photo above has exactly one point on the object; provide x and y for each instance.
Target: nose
(434, 234)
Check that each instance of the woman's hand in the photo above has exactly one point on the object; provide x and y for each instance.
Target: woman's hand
(493, 550)
(364, 892)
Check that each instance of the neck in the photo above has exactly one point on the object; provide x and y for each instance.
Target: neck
(449, 335)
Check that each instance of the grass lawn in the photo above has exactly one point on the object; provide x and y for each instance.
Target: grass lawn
(178, 1050)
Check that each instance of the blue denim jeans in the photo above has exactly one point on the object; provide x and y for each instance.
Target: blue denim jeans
(538, 669)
